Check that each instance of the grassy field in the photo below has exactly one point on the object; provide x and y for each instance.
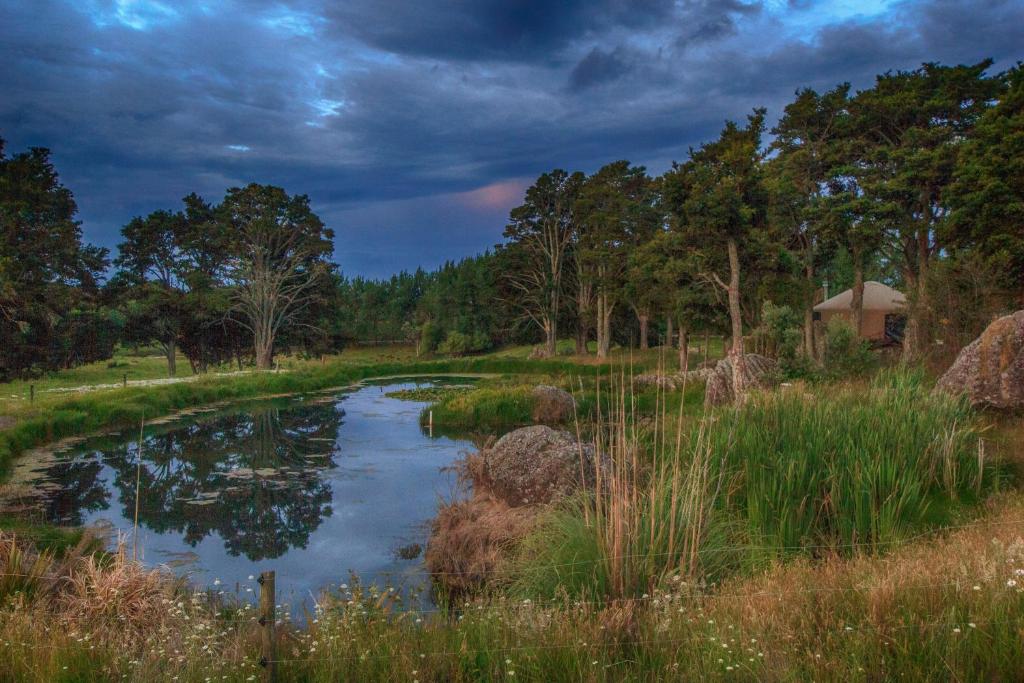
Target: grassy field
(862, 531)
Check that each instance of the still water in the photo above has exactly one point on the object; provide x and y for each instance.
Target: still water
(313, 487)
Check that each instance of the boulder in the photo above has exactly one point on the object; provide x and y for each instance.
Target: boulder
(552, 405)
(673, 381)
(990, 370)
(538, 353)
(470, 538)
(761, 373)
(534, 465)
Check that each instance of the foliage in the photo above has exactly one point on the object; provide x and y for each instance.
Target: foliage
(987, 192)
(51, 310)
(846, 354)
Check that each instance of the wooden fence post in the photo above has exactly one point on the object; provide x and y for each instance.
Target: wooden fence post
(268, 653)
(31, 393)
(124, 380)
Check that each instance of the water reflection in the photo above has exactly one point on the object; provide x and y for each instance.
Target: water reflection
(254, 478)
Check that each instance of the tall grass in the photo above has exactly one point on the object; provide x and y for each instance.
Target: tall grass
(855, 470)
(850, 468)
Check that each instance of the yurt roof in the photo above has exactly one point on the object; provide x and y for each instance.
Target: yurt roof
(877, 297)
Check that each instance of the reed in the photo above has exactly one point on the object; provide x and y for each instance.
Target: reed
(856, 470)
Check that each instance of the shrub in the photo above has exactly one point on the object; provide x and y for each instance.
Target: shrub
(431, 335)
(846, 354)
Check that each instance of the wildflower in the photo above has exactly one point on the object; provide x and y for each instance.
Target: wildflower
(972, 625)
(1011, 583)
(977, 588)
(956, 629)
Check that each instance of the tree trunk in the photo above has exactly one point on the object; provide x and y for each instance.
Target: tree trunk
(707, 346)
(581, 340)
(172, 360)
(551, 337)
(735, 315)
(604, 325)
(645, 320)
(684, 347)
(914, 336)
(668, 332)
(264, 349)
(809, 315)
(857, 302)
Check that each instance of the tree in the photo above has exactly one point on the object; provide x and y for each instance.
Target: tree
(986, 196)
(798, 178)
(722, 196)
(540, 232)
(152, 264)
(912, 125)
(617, 210)
(49, 279)
(278, 257)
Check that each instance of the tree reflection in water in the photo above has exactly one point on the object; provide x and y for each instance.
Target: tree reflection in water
(255, 478)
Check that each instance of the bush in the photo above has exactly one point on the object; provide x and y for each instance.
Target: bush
(459, 344)
(431, 335)
(846, 354)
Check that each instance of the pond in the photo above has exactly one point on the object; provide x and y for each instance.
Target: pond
(313, 487)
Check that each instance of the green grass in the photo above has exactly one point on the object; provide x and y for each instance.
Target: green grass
(485, 409)
(851, 470)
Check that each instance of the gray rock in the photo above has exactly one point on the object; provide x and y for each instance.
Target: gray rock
(673, 381)
(990, 370)
(552, 405)
(535, 465)
(761, 373)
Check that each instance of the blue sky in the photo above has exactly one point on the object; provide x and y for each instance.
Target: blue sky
(415, 126)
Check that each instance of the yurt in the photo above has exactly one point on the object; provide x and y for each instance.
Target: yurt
(884, 311)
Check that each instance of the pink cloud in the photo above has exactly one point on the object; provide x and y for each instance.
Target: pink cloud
(501, 195)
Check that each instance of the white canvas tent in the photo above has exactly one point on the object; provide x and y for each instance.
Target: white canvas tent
(880, 301)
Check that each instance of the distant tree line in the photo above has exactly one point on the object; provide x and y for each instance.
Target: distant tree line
(917, 181)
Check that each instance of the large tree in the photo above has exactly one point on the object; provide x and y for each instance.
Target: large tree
(278, 259)
(912, 125)
(539, 234)
(721, 197)
(151, 262)
(617, 211)
(806, 139)
(987, 193)
(49, 279)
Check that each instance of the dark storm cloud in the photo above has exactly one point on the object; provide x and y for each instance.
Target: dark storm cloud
(414, 126)
(485, 30)
(599, 67)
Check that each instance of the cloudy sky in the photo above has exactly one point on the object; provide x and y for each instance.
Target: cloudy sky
(415, 125)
